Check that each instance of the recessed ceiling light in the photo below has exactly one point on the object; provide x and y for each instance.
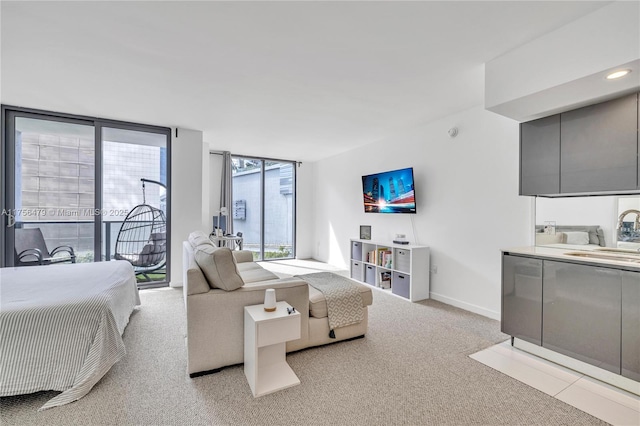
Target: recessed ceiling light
(617, 74)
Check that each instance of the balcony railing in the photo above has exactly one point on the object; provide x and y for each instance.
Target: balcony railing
(80, 235)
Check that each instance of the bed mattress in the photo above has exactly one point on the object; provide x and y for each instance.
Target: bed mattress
(62, 325)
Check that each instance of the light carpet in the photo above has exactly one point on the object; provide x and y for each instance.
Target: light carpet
(411, 369)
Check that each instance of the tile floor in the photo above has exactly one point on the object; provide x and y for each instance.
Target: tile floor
(599, 399)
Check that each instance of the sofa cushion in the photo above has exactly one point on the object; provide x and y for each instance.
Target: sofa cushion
(557, 238)
(219, 267)
(197, 238)
(318, 303)
(251, 272)
(243, 256)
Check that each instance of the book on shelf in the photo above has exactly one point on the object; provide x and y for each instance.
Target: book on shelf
(385, 257)
(385, 279)
(381, 257)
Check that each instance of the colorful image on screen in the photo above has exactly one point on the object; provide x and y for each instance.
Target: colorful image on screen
(389, 192)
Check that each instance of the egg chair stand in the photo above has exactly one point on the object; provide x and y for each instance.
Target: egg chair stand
(142, 239)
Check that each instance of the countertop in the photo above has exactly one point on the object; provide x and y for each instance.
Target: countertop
(606, 258)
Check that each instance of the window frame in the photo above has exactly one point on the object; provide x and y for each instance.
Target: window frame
(294, 165)
(7, 170)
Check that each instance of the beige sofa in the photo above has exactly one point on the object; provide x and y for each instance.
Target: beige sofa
(215, 299)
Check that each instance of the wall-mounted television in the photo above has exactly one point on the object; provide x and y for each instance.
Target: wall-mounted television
(389, 192)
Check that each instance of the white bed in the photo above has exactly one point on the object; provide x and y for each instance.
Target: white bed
(62, 325)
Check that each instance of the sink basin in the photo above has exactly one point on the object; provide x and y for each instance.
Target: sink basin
(619, 257)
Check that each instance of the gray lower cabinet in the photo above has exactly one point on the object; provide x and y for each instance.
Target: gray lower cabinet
(631, 325)
(599, 147)
(540, 156)
(522, 298)
(582, 313)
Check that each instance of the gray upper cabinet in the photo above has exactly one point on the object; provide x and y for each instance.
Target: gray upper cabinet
(599, 147)
(540, 156)
(585, 151)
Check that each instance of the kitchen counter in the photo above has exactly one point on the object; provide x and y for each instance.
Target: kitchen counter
(628, 261)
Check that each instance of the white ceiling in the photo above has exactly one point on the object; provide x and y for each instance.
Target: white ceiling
(291, 80)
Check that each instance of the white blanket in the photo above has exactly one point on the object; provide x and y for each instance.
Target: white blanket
(62, 325)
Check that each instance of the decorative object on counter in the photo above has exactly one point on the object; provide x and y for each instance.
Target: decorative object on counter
(628, 230)
(550, 228)
(401, 239)
(365, 232)
(270, 300)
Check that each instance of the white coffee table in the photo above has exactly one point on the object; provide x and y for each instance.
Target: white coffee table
(265, 337)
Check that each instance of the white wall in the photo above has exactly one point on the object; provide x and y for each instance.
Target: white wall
(188, 193)
(467, 202)
(305, 211)
(565, 68)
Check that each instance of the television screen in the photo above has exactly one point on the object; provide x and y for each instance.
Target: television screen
(389, 192)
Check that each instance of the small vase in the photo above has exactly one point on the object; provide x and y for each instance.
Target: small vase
(270, 300)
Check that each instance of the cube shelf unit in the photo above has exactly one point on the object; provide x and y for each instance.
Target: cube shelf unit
(407, 266)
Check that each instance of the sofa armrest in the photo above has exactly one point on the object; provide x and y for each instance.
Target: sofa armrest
(196, 283)
(243, 256)
(215, 321)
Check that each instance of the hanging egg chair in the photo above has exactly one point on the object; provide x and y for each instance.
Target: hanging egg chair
(142, 239)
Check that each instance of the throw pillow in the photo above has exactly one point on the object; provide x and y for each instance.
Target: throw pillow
(218, 266)
(542, 239)
(580, 238)
(197, 238)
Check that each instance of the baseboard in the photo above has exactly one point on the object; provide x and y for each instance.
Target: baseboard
(466, 306)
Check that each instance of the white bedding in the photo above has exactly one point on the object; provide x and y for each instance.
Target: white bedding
(62, 325)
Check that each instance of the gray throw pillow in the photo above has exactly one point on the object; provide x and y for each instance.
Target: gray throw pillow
(218, 266)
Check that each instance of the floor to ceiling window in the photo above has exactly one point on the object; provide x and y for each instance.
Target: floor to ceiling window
(76, 179)
(264, 206)
(134, 165)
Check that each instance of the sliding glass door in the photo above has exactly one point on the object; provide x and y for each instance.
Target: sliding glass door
(134, 171)
(75, 180)
(264, 206)
(53, 185)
